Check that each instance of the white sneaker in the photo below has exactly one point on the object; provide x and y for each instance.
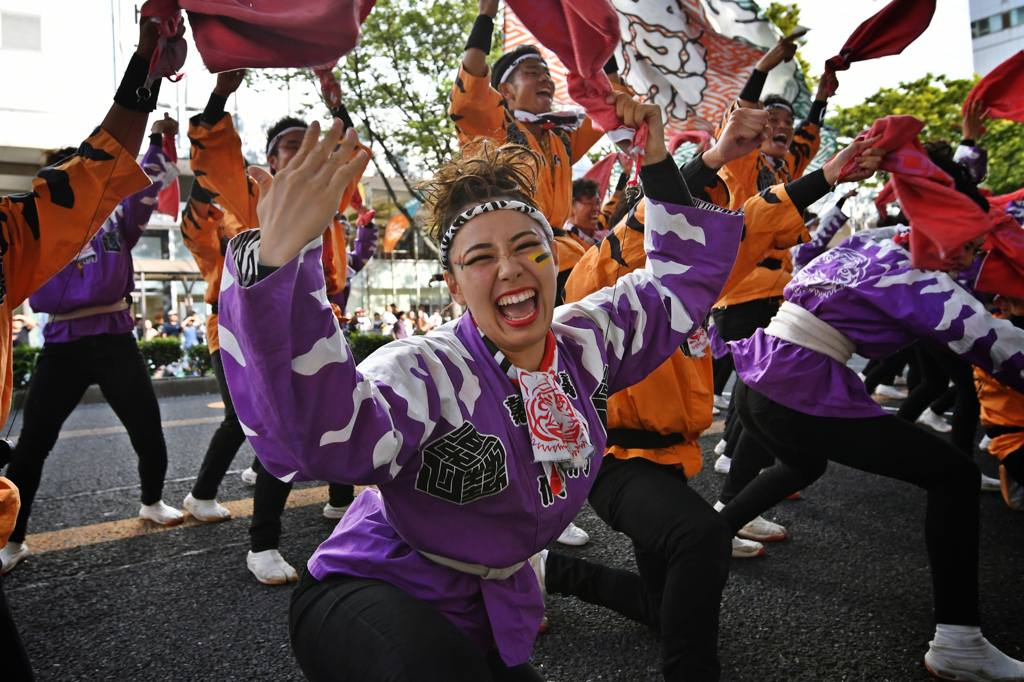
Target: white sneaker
(206, 510)
(989, 484)
(889, 392)
(160, 513)
(331, 512)
(763, 530)
(985, 442)
(721, 402)
(862, 376)
(715, 411)
(270, 568)
(720, 447)
(1013, 492)
(746, 549)
(574, 536)
(538, 563)
(723, 464)
(899, 381)
(11, 555)
(249, 476)
(961, 653)
(936, 422)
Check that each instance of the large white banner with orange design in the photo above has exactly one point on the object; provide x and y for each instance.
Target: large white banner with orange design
(690, 56)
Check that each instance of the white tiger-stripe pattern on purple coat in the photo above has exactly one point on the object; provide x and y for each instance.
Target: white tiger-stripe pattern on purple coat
(432, 419)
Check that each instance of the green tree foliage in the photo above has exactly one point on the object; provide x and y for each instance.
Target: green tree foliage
(937, 100)
(23, 359)
(199, 355)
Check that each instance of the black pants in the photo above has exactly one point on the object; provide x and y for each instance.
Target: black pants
(271, 494)
(63, 373)
(722, 369)
(886, 446)
(937, 368)
(363, 630)
(885, 371)
(682, 548)
(740, 321)
(1014, 463)
(13, 656)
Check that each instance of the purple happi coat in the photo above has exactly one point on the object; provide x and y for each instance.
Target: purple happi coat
(828, 226)
(867, 289)
(103, 272)
(437, 424)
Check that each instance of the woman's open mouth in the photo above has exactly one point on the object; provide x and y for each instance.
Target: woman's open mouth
(518, 308)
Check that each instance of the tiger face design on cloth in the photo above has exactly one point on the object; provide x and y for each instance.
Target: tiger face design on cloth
(848, 267)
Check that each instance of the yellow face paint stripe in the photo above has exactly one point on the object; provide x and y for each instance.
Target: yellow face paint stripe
(539, 258)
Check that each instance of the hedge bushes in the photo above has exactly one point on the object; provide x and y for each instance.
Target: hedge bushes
(199, 355)
(363, 345)
(161, 352)
(24, 360)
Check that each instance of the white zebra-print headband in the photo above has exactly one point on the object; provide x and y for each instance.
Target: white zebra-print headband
(487, 207)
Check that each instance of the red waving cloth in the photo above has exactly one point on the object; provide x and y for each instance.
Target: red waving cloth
(169, 199)
(1003, 200)
(888, 32)
(1002, 90)
(941, 219)
(885, 197)
(601, 171)
(583, 34)
(1002, 272)
(235, 34)
(701, 138)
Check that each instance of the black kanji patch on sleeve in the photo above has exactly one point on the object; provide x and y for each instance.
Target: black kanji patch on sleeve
(567, 386)
(516, 409)
(576, 472)
(463, 466)
(111, 241)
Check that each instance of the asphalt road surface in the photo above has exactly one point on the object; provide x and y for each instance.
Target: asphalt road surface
(846, 597)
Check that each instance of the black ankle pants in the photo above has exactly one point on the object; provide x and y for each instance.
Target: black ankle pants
(682, 548)
(803, 445)
(62, 374)
(346, 629)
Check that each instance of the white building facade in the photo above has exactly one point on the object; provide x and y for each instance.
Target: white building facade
(997, 32)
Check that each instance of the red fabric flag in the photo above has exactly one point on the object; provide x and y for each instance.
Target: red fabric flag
(1003, 200)
(1002, 90)
(583, 34)
(169, 199)
(701, 138)
(1002, 272)
(888, 32)
(233, 34)
(942, 220)
(885, 197)
(602, 170)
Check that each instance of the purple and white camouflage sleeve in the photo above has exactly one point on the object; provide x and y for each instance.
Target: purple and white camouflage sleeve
(828, 226)
(363, 247)
(936, 309)
(649, 313)
(139, 207)
(974, 159)
(307, 411)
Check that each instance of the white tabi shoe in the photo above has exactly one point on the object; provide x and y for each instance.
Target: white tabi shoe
(206, 510)
(11, 555)
(721, 402)
(989, 484)
(720, 447)
(249, 476)
(936, 422)
(1013, 492)
(961, 653)
(270, 568)
(161, 513)
(574, 536)
(723, 464)
(890, 392)
(334, 513)
(985, 442)
(746, 549)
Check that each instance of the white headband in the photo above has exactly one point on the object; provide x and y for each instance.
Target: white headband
(273, 140)
(496, 205)
(516, 62)
(779, 105)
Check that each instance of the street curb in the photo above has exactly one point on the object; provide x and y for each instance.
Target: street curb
(164, 388)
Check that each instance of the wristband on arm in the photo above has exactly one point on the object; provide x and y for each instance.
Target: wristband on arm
(480, 35)
(132, 93)
(214, 110)
(755, 84)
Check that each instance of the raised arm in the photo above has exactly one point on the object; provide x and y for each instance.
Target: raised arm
(476, 108)
(365, 243)
(139, 207)
(828, 225)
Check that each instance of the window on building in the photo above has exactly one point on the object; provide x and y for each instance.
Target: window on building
(20, 32)
(983, 27)
(1017, 17)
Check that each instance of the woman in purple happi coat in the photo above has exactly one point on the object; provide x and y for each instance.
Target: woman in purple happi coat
(89, 340)
(800, 403)
(479, 435)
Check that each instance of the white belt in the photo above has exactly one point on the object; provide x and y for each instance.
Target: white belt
(92, 310)
(484, 572)
(796, 325)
